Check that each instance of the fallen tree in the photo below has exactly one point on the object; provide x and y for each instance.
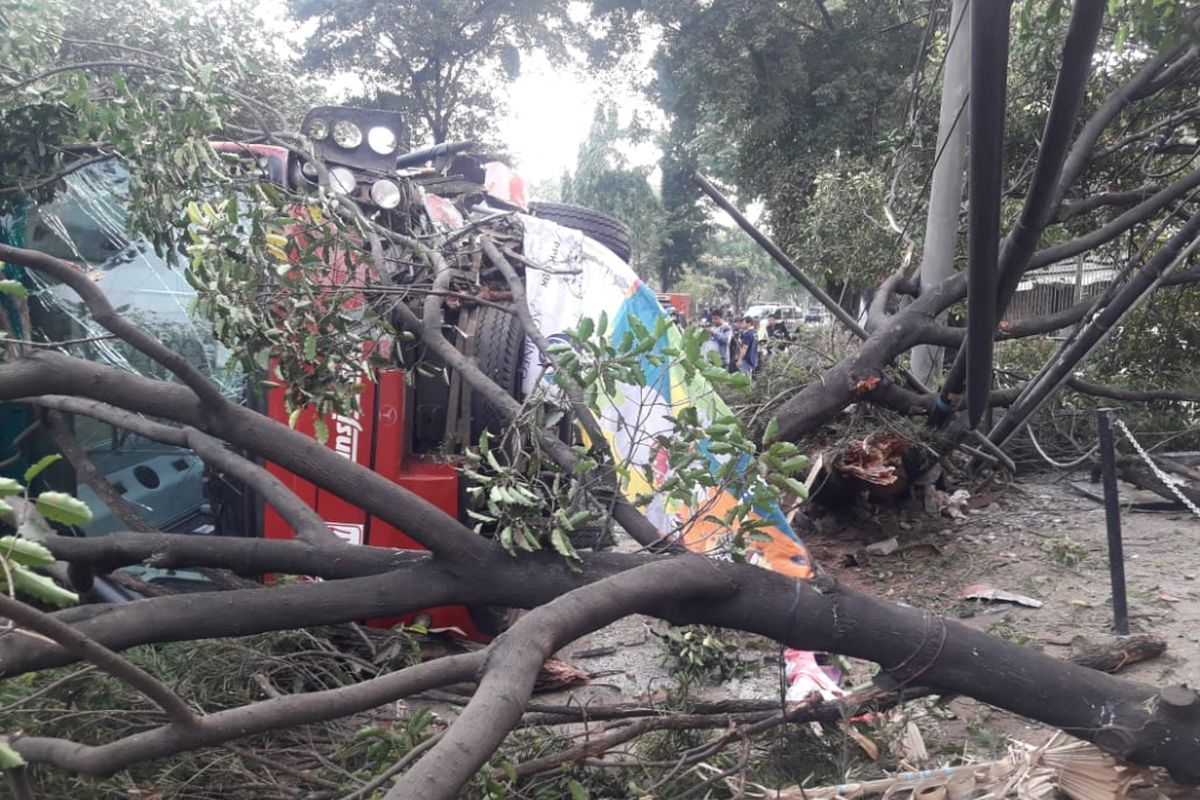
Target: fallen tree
(568, 596)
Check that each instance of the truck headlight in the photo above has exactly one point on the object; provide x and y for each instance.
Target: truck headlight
(385, 194)
(382, 140)
(341, 180)
(347, 135)
(318, 129)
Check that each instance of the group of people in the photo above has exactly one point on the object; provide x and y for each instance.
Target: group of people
(737, 345)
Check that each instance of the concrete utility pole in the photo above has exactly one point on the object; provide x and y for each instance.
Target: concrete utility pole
(946, 187)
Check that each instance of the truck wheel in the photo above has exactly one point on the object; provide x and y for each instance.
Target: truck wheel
(607, 230)
(500, 354)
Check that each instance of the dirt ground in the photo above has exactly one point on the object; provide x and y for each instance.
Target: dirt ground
(1038, 537)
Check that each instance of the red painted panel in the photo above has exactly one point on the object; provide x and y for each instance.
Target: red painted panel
(377, 439)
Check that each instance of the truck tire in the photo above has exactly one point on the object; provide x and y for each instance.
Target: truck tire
(500, 354)
(607, 230)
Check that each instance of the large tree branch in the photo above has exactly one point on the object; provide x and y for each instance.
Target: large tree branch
(242, 612)
(1141, 85)
(224, 726)
(912, 646)
(107, 317)
(308, 526)
(1132, 395)
(515, 658)
(82, 647)
(1140, 213)
(1086, 205)
(247, 556)
(49, 373)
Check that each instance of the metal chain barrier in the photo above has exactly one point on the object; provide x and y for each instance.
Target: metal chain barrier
(1170, 480)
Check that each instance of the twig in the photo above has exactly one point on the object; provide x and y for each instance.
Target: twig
(395, 769)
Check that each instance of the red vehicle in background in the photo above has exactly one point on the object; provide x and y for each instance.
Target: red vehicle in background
(680, 304)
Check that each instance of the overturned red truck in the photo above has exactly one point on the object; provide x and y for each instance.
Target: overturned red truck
(404, 423)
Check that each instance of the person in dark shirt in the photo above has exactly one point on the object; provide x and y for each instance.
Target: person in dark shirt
(776, 330)
(748, 338)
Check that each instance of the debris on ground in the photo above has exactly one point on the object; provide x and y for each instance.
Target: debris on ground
(984, 591)
(1120, 652)
(1077, 769)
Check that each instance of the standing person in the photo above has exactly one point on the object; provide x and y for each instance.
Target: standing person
(776, 329)
(748, 360)
(722, 336)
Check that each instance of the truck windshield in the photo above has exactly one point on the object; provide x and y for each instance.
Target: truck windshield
(88, 223)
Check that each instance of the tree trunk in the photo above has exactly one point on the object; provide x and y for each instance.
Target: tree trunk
(945, 199)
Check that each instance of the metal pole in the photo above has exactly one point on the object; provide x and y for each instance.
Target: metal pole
(1112, 516)
(782, 260)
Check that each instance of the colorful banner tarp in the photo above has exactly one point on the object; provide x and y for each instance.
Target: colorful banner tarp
(581, 278)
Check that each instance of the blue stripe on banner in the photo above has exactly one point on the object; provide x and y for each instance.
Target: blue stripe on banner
(644, 305)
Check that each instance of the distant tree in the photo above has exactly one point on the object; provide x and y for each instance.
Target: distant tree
(769, 92)
(605, 180)
(844, 236)
(746, 272)
(444, 63)
(686, 224)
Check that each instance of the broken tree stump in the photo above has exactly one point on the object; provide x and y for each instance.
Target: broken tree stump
(1116, 653)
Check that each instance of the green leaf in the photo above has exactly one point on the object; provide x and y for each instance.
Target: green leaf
(25, 551)
(794, 464)
(320, 430)
(13, 288)
(797, 487)
(771, 433)
(310, 348)
(8, 486)
(9, 758)
(61, 507)
(602, 325)
(578, 792)
(41, 466)
(40, 587)
(586, 327)
(562, 545)
(193, 212)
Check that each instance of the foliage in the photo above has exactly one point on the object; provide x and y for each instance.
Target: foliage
(844, 233)
(769, 93)
(259, 257)
(1156, 346)
(523, 497)
(27, 515)
(277, 304)
(700, 656)
(444, 64)
(705, 447)
(154, 108)
(244, 53)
